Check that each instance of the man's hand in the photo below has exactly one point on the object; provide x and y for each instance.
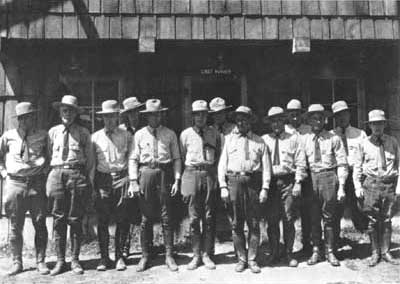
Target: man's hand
(225, 194)
(133, 189)
(263, 195)
(3, 173)
(176, 187)
(296, 191)
(359, 192)
(341, 194)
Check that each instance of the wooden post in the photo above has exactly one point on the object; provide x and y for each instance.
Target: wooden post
(187, 101)
(243, 90)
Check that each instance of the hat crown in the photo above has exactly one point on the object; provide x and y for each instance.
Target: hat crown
(376, 115)
(110, 106)
(69, 100)
(217, 103)
(199, 105)
(23, 108)
(316, 108)
(130, 102)
(294, 104)
(153, 105)
(244, 109)
(339, 106)
(275, 110)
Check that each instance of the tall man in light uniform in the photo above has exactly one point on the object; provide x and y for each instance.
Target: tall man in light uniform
(156, 178)
(351, 138)
(288, 171)
(327, 160)
(113, 150)
(244, 175)
(376, 172)
(23, 165)
(68, 185)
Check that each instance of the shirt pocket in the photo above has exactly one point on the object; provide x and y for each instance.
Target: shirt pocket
(288, 156)
(327, 152)
(146, 149)
(75, 148)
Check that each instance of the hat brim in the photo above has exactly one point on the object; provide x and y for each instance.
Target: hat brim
(342, 110)
(380, 120)
(107, 112)
(252, 116)
(200, 110)
(57, 105)
(29, 112)
(324, 112)
(131, 108)
(296, 109)
(216, 111)
(153, 111)
(267, 119)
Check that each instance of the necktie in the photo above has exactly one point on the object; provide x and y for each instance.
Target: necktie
(65, 150)
(155, 144)
(382, 153)
(276, 152)
(111, 148)
(201, 133)
(246, 147)
(317, 150)
(344, 140)
(24, 154)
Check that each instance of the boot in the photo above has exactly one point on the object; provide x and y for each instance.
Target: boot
(292, 262)
(170, 261)
(120, 266)
(144, 243)
(143, 264)
(253, 266)
(60, 243)
(120, 239)
(59, 268)
(207, 261)
(42, 268)
(104, 264)
(329, 243)
(15, 269)
(104, 238)
(41, 244)
(240, 266)
(315, 256)
(374, 258)
(385, 246)
(273, 238)
(194, 263)
(75, 251)
(16, 252)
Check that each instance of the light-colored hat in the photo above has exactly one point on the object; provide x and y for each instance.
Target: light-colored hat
(70, 101)
(23, 108)
(199, 106)
(294, 104)
(273, 112)
(131, 103)
(339, 106)
(153, 105)
(313, 108)
(244, 110)
(376, 115)
(109, 106)
(218, 104)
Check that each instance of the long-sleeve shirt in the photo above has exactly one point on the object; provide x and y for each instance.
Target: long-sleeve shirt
(36, 160)
(197, 151)
(292, 158)
(165, 146)
(113, 152)
(333, 154)
(303, 129)
(79, 144)
(233, 157)
(368, 159)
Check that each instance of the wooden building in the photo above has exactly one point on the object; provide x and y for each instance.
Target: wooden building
(182, 50)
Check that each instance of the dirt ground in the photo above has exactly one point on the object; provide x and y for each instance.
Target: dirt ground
(352, 254)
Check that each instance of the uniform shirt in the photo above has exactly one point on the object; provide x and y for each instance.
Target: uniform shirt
(233, 157)
(80, 146)
(10, 153)
(130, 129)
(333, 154)
(113, 155)
(167, 147)
(354, 138)
(292, 158)
(303, 129)
(224, 130)
(368, 159)
(197, 151)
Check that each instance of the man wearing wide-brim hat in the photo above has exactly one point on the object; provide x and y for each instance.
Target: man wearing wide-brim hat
(113, 149)
(295, 121)
(199, 149)
(157, 166)
(68, 185)
(327, 160)
(219, 113)
(244, 175)
(352, 138)
(376, 171)
(288, 171)
(23, 165)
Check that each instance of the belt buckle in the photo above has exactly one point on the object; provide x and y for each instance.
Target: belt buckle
(113, 174)
(242, 173)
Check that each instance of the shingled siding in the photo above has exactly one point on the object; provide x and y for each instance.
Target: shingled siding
(199, 19)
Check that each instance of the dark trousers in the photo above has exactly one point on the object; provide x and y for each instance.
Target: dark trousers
(305, 202)
(199, 187)
(323, 206)
(281, 206)
(68, 191)
(155, 184)
(245, 207)
(112, 200)
(22, 196)
(359, 219)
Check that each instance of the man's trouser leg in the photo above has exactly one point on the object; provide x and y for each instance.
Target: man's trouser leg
(103, 207)
(288, 215)
(273, 214)
(253, 216)
(306, 198)
(208, 218)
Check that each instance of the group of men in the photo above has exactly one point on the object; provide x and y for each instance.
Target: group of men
(299, 166)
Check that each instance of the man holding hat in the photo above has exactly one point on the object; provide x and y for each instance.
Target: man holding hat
(113, 149)
(68, 185)
(376, 172)
(23, 165)
(288, 171)
(199, 149)
(244, 175)
(156, 178)
(352, 138)
(326, 157)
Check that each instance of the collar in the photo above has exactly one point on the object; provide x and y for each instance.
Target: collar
(374, 139)
(196, 129)
(322, 134)
(151, 129)
(237, 132)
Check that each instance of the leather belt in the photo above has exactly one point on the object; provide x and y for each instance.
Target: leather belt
(115, 174)
(155, 165)
(323, 170)
(22, 178)
(382, 179)
(199, 168)
(69, 167)
(242, 173)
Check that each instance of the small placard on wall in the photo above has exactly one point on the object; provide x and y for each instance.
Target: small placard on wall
(147, 44)
(301, 44)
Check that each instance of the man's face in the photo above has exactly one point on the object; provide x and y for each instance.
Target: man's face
(278, 124)
(294, 117)
(200, 119)
(110, 121)
(377, 127)
(342, 119)
(27, 121)
(243, 123)
(219, 117)
(133, 117)
(154, 119)
(317, 122)
(67, 114)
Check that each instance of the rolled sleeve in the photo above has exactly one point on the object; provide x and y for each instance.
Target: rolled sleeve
(222, 166)
(266, 167)
(131, 157)
(341, 160)
(300, 162)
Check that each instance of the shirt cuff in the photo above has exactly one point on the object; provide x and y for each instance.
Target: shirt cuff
(178, 176)
(266, 184)
(222, 184)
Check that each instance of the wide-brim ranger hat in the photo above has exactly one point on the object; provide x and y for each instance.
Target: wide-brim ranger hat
(109, 107)
(199, 106)
(294, 104)
(218, 104)
(274, 111)
(317, 108)
(131, 103)
(244, 110)
(70, 101)
(153, 105)
(339, 106)
(24, 108)
(376, 115)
